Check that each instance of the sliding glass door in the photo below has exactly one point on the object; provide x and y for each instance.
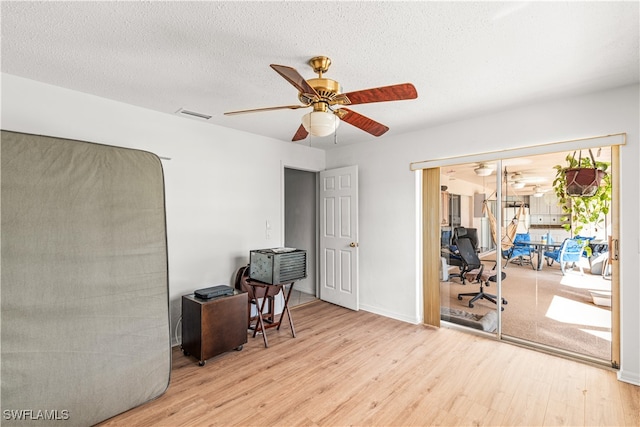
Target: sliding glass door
(506, 234)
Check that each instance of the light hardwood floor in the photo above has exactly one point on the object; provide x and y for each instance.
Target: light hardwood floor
(358, 368)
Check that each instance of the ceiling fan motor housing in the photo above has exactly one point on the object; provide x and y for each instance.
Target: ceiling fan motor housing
(326, 88)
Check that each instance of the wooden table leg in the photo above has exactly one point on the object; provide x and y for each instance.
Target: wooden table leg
(260, 322)
(540, 256)
(286, 308)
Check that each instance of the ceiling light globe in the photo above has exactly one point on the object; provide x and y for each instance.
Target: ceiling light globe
(518, 185)
(320, 123)
(483, 170)
(538, 194)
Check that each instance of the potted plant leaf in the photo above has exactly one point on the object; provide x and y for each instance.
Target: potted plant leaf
(583, 189)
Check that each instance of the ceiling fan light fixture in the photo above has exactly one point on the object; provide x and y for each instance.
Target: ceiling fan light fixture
(518, 185)
(537, 192)
(320, 123)
(483, 170)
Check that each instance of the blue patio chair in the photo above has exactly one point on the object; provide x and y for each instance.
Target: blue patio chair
(521, 250)
(569, 252)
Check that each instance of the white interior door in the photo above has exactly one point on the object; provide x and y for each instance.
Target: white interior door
(339, 236)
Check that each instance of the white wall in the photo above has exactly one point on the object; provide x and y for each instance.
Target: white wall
(221, 185)
(387, 190)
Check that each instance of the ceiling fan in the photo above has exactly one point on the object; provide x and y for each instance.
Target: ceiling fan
(483, 169)
(538, 191)
(325, 96)
(519, 180)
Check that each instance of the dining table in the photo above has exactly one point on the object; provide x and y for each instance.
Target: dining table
(540, 246)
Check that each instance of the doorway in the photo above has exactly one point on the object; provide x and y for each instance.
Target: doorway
(300, 230)
(546, 291)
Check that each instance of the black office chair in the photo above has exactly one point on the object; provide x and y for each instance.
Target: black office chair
(470, 233)
(450, 252)
(474, 271)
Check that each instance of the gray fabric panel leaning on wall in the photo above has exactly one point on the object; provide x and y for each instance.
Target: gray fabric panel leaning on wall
(84, 281)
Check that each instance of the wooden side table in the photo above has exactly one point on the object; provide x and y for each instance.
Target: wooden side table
(270, 290)
(214, 326)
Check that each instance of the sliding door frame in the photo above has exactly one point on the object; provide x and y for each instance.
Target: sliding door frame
(431, 246)
(613, 256)
(431, 226)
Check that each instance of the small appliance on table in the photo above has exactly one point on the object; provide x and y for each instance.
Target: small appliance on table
(270, 270)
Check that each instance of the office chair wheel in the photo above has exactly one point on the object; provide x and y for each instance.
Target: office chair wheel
(470, 305)
(202, 362)
(459, 297)
(239, 348)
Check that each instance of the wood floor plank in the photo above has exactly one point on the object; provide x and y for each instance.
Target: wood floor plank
(358, 368)
(602, 398)
(630, 400)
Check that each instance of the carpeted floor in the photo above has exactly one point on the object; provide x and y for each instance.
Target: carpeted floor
(545, 307)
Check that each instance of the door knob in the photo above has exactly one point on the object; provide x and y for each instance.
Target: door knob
(353, 244)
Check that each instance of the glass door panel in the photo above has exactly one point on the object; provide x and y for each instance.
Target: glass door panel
(551, 302)
(467, 285)
(552, 295)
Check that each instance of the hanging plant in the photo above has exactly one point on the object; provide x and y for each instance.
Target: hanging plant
(583, 189)
(582, 179)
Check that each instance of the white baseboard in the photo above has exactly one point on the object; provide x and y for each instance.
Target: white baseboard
(385, 313)
(629, 377)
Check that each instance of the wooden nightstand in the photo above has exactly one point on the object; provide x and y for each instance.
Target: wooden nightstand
(214, 326)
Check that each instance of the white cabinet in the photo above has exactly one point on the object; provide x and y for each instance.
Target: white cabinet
(538, 210)
(545, 210)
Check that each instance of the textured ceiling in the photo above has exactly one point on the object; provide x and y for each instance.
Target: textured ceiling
(465, 58)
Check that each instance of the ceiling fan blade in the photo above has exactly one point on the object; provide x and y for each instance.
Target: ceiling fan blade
(292, 76)
(256, 110)
(301, 134)
(361, 122)
(382, 94)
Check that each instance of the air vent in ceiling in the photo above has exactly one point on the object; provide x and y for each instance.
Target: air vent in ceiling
(193, 114)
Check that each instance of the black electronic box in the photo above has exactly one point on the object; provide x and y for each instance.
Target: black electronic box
(213, 292)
